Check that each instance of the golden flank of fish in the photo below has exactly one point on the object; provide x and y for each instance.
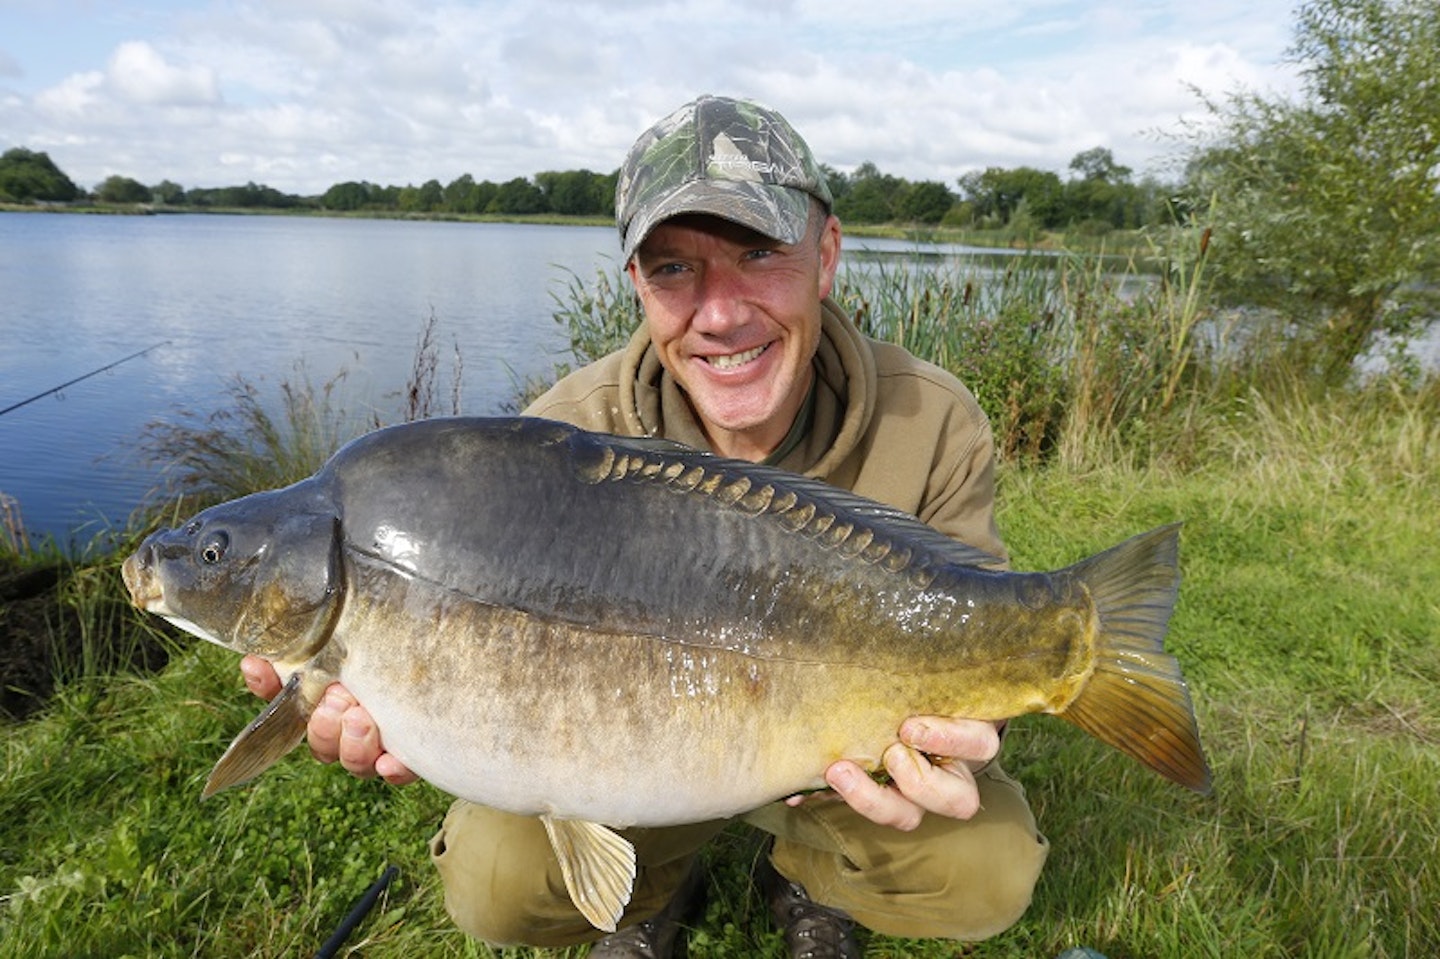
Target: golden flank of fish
(607, 632)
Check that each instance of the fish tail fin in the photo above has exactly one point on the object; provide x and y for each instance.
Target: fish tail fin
(1137, 700)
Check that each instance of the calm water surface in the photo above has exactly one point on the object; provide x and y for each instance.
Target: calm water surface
(247, 296)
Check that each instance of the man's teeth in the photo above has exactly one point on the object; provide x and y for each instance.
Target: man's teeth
(735, 359)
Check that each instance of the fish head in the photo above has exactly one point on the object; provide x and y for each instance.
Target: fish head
(261, 574)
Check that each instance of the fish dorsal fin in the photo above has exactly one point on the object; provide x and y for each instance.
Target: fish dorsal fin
(599, 868)
(277, 730)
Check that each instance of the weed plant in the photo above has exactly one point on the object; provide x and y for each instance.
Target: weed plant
(249, 444)
(1307, 625)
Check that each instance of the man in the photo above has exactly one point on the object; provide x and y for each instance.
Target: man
(727, 235)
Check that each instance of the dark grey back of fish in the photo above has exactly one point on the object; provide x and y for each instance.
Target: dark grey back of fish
(639, 536)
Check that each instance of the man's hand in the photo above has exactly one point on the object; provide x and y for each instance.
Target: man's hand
(339, 729)
(931, 770)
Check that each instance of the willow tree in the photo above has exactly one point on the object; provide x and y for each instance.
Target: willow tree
(1327, 206)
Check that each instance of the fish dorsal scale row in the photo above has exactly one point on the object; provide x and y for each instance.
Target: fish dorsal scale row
(856, 528)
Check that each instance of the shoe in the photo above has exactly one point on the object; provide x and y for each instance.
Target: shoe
(812, 931)
(657, 937)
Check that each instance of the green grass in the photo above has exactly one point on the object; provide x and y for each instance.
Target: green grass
(1308, 625)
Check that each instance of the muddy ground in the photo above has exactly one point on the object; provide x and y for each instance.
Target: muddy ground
(40, 635)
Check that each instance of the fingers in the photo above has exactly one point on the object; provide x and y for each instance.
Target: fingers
(341, 730)
(885, 805)
(393, 771)
(930, 771)
(327, 723)
(968, 740)
(260, 677)
(945, 788)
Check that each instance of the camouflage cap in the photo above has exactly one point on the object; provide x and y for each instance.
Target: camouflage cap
(728, 158)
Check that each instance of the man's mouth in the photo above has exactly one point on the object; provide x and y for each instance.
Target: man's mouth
(732, 360)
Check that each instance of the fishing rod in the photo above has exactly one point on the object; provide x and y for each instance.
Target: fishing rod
(107, 366)
(347, 926)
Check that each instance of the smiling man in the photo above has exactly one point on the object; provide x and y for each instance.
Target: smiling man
(727, 235)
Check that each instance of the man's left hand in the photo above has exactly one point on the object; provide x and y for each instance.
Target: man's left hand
(931, 770)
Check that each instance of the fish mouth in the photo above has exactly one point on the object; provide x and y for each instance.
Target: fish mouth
(143, 585)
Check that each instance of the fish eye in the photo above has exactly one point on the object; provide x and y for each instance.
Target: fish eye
(212, 548)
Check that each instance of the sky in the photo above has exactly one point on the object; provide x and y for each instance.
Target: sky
(302, 94)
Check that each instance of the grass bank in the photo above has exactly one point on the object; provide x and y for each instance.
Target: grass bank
(1307, 624)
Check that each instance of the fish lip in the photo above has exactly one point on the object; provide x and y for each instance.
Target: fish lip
(144, 587)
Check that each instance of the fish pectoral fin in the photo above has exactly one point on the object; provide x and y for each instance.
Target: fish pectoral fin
(277, 730)
(599, 868)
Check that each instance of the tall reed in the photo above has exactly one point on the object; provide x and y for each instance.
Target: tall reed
(249, 444)
(994, 329)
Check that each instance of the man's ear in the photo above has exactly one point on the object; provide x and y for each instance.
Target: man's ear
(829, 254)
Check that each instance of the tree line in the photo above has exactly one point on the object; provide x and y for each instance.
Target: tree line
(1099, 195)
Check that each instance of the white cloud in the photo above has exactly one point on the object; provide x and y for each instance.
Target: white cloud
(73, 97)
(140, 74)
(304, 93)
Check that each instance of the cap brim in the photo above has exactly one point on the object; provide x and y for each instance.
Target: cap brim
(779, 212)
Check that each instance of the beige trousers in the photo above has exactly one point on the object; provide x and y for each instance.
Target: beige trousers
(948, 879)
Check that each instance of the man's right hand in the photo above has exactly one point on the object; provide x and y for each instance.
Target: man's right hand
(339, 728)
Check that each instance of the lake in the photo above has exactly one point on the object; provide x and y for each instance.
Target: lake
(221, 296)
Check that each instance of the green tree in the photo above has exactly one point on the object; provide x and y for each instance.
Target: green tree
(996, 193)
(871, 196)
(1098, 163)
(518, 196)
(26, 175)
(168, 192)
(122, 189)
(346, 196)
(460, 195)
(1329, 208)
(426, 198)
(251, 196)
(837, 180)
(1100, 196)
(578, 192)
(925, 202)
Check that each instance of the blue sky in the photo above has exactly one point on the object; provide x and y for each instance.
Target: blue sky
(300, 94)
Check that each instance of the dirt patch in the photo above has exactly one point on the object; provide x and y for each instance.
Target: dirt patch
(40, 636)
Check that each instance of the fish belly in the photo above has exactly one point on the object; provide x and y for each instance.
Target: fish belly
(535, 717)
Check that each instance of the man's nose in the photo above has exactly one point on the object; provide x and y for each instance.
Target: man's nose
(722, 304)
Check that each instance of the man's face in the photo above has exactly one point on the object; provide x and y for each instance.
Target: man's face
(735, 318)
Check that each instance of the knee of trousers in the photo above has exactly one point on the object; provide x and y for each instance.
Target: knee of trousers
(497, 887)
(949, 879)
(993, 873)
(504, 886)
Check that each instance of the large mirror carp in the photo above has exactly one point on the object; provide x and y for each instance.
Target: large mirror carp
(608, 632)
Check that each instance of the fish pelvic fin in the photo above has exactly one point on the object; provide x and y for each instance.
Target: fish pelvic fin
(277, 730)
(1136, 699)
(598, 865)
